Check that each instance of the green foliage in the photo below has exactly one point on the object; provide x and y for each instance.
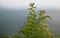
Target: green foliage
(35, 27)
(45, 32)
(4, 36)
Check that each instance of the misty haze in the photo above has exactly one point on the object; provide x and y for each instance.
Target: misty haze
(13, 14)
(12, 20)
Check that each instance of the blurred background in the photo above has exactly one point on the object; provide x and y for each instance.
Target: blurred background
(13, 14)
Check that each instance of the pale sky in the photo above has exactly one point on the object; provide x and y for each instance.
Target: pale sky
(11, 4)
